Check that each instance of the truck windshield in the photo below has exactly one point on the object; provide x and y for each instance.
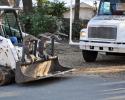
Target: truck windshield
(112, 7)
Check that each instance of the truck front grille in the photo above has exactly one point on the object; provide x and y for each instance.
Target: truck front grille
(102, 32)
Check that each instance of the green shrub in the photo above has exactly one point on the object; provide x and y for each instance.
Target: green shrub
(44, 17)
(37, 23)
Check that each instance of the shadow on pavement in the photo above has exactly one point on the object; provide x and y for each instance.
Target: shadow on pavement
(45, 82)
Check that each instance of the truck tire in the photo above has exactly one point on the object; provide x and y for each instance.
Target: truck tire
(89, 56)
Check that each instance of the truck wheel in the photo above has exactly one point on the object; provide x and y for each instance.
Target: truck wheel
(6, 77)
(89, 56)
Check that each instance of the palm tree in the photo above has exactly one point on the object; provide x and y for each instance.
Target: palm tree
(77, 8)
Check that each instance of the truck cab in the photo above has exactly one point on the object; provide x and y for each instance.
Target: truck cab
(105, 32)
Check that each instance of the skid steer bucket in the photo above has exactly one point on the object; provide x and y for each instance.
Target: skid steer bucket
(39, 70)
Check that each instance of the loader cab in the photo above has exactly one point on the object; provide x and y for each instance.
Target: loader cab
(9, 25)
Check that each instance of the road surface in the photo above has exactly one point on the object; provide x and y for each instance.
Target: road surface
(92, 81)
(80, 87)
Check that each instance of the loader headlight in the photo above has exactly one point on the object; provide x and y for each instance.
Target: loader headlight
(82, 34)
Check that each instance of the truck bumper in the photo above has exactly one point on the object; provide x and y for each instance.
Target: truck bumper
(103, 46)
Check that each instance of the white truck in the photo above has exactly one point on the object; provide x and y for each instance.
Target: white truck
(105, 32)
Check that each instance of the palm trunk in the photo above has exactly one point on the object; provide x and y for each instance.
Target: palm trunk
(27, 6)
(77, 8)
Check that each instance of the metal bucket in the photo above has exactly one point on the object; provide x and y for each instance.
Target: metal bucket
(39, 70)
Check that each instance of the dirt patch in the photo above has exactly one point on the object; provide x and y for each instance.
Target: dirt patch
(100, 70)
(71, 56)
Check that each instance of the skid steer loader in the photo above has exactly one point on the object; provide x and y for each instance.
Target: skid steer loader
(21, 57)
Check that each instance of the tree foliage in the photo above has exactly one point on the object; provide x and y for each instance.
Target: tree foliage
(58, 8)
(41, 2)
(55, 8)
(38, 23)
(44, 18)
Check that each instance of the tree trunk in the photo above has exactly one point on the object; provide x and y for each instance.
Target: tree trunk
(77, 8)
(27, 6)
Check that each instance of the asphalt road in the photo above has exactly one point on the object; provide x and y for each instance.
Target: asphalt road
(80, 87)
(86, 84)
